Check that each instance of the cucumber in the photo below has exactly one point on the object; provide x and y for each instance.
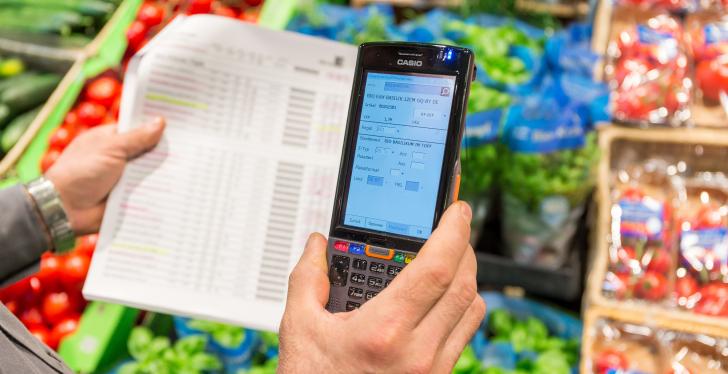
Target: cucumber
(42, 20)
(30, 92)
(4, 115)
(93, 8)
(13, 81)
(16, 128)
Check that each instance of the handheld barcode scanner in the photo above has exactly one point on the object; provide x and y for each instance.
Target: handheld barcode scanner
(400, 163)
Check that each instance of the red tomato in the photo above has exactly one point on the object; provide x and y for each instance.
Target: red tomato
(66, 327)
(90, 114)
(75, 268)
(712, 77)
(114, 109)
(651, 286)
(87, 244)
(712, 306)
(50, 270)
(136, 34)
(150, 14)
(226, 12)
(71, 120)
(249, 15)
(103, 91)
(253, 2)
(32, 317)
(13, 306)
(622, 286)
(61, 138)
(686, 286)
(660, 262)
(44, 335)
(709, 217)
(715, 290)
(16, 290)
(199, 7)
(633, 193)
(57, 306)
(49, 158)
(609, 360)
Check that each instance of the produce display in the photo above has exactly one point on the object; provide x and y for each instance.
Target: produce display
(648, 73)
(22, 93)
(629, 348)
(76, 22)
(707, 33)
(49, 303)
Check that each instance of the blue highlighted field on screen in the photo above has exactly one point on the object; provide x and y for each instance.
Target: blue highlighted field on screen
(422, 89)
(375, 180)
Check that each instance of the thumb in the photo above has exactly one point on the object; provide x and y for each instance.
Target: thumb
(308, 284)
(141, 139)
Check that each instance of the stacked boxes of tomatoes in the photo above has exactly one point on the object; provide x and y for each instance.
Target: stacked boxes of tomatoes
(668, 62)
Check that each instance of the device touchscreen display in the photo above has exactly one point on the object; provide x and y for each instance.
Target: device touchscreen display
(399, 152)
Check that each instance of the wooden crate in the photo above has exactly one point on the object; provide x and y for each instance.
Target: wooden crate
(645, 141)
(593, 315)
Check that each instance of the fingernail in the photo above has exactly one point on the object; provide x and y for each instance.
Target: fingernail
(466, 211)
(156, 123)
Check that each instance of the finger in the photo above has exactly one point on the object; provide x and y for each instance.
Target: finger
(452, 348)
(308, 285)
(449, 310)
(141, 139)
(421, 283)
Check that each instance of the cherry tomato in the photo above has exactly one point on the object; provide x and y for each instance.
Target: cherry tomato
(75, 268)
(135, 35)
(87, 244)
(150, 14)
(103, 91)
(651, 286)
(66, 327)
(44, 335)
(712, 78)
(71, 120)
(61, 138)
(12, 306)
(609, 360)
(90, 114)
(225, 11)
(114, 109)
(57, 306)
(50, 158)
(715, 290)
(712, 306)
(253, 2)
(32, 317)
(686, 286)
(660, 262)
(199, 7)
(50, 270)
(16, 290)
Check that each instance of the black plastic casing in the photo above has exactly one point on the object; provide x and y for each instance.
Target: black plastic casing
(383, 57)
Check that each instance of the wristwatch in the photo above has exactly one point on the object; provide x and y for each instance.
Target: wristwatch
(51, 211)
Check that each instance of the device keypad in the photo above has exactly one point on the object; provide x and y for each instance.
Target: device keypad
(367, 269)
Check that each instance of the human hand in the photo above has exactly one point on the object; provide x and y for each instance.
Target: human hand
(420, 323)
(91, 166)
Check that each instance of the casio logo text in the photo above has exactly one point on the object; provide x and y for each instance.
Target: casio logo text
(409, 62)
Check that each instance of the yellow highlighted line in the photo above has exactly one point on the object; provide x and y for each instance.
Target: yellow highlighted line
(141, 248)
(175, 101)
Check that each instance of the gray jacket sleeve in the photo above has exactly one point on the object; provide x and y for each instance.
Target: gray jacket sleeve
(22, 235)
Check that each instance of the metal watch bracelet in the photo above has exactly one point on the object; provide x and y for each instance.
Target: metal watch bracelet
(51, 210)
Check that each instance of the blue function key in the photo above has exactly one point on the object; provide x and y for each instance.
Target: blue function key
(356, 248)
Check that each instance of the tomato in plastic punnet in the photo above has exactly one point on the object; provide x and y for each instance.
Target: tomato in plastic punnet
(660, 261)
(712, 78)
(104, 91)
(49, 158)
(651, 286)
(610, 360)
(686, 286)
(151, 14)
(16, 290)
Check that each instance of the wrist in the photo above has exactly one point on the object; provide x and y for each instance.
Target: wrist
(50, 208)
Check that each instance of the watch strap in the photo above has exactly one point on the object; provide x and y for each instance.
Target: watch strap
(51, 211)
